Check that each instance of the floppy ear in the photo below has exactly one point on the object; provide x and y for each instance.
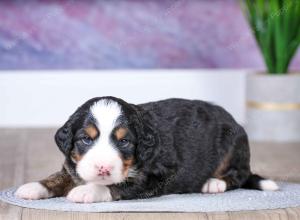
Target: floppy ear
(64, 137)
(147, 140)
(148, 147)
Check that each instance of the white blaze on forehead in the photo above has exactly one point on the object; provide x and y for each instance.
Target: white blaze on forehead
(106, 113)
(103, 152)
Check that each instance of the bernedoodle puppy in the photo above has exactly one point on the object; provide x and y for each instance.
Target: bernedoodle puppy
(115, 150)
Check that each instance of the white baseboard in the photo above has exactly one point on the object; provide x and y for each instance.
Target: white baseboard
(48, 98)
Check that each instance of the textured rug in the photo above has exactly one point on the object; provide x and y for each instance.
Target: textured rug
(236, 200)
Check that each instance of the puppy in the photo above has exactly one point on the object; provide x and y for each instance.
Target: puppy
(115, 150)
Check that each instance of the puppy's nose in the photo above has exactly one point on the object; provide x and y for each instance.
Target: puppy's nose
(104, 170)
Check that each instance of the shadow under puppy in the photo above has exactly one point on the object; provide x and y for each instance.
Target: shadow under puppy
(115, 150)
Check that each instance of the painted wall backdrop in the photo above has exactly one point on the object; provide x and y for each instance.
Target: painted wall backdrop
(69, 34)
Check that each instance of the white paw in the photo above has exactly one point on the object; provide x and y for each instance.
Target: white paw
(214, 185)
(90, 193)
(268, 185)
(32, 191)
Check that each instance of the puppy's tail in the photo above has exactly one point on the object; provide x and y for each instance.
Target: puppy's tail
(257, 182)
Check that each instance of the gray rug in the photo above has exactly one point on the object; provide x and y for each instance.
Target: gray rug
(236, 200)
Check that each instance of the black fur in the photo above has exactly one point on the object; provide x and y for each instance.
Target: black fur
(178, 145)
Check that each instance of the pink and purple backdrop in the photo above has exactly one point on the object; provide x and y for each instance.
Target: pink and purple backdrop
(69, 34)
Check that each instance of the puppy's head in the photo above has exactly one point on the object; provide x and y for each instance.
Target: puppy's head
(104, 139)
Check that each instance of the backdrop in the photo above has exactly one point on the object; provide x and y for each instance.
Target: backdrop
(69, 34)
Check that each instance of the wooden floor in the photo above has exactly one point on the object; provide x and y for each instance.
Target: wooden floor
(30, 154)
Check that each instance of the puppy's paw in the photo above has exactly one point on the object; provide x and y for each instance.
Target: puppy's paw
(268, 185)
(214, 185)
(32, 191)
(90, 193)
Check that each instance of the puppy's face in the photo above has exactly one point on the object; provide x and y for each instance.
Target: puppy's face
(103, 144)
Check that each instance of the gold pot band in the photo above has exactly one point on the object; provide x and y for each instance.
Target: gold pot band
(273, 106)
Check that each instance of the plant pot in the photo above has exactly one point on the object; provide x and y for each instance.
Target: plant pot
(273, 107)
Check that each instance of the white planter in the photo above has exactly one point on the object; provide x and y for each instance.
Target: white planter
(273, 107)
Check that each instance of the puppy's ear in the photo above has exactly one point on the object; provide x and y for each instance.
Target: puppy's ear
(147, 141)
(64, 135)
(148, 147)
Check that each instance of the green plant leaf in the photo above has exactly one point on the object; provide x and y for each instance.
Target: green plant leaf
(276, 27)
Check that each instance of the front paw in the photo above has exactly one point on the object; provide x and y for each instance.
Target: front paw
(32, 191)
(90, 193)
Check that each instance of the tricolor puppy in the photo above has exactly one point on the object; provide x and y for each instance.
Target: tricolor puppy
(115, 150)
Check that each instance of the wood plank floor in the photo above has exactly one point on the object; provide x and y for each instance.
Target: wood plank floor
(30, 154)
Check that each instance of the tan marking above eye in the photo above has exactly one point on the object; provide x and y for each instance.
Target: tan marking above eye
(91, 131)
(121, 133)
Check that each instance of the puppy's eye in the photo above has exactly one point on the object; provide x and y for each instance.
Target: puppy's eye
(124, 141)
(87, 140)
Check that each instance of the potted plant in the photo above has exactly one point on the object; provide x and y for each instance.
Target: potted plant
(273, 97)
